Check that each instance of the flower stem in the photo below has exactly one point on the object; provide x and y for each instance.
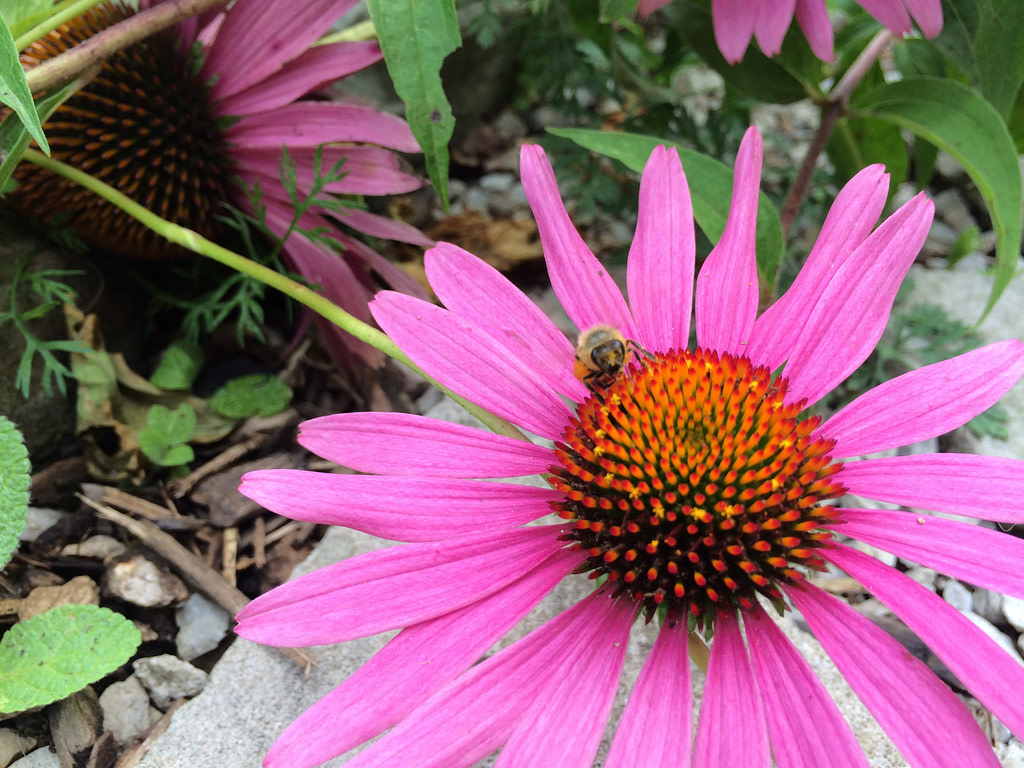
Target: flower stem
(54, 21)
(195, 242)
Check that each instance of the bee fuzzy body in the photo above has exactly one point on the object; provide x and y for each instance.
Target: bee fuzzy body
(601, 354)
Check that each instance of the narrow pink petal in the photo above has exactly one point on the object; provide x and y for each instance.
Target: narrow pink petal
(772, 22)
(949, 546)
(381, 226)
(849, 221)
(727, 284)
(312, 123)
(473, 289)
(734, 26)
(471, 363)
(416, 663)
(812, 16)
(408, 444)
(925, 720)
(258, 36)
(731, 727)
(386, 272)
(657, 721)
(853, 309)
(986, 487)
(563, 725)
(659, 274)
(398, 508)
(890, 13)
(794, 697)
(927, 402)
(476, 713)
(393, 587)
(581, 282)
(992, 675)
(927, 14)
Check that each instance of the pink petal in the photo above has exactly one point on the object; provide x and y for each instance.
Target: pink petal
(655, 726)
(312, 69)
(986, 487)
(386, 271)
(772, 23)
(471, 363)
(992, 675)
(383, 227)
(563, 725)
(924, 719)
(849, 222)
(727, 292)
(407, 444)
(731, 727)
(734, 26)
(793, 697)
(580, 281)
(927, 402)
(890, 13)
(258, 36)
(416, 663)
(312, 123)
(853, 309)
(647, 7)
(393, 587)
(812, 16)
(476, 291)
(927, 14)
(947, 545)
(398, 508)
(659, 274)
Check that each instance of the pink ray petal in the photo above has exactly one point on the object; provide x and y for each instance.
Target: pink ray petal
(465, 358)
(993, 676)
(849, 221)
(812, 16)
(927, 14)
(416, 663)
(381, 226)
(727, 291)
(312, 123)
(925, 720)
(986, 487)
(853, 309)
(387, 272)
(408, 444)
(890, 13)
(580, 281)
(258, 36)
(734, 26)
(563, 725)
(393, 587)
(398, 508)
(476, 713)
(927, 402)
(771, 25)
(731, 727)
(476, 291)
(655, 726)
(314, 68)
(948, 546)
(659, 271)
(793, 697)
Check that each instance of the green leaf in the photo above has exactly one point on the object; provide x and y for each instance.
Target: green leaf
(253, 395)
(14, 91)
(166, 433)
(416, 36)
(14, 139)
(856, 143)
(956, 119)
(14, 481)
(613, 10)
(710, 185)
(57, 653)
(178, 367)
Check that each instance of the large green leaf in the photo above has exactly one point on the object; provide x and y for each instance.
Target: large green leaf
(959, 121)
(710, 185)
(416, 36)
(14, 138)
(14, 481)
(14, 90)
(856, 143)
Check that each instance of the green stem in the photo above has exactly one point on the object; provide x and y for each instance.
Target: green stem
(38, 31)
(197, 243)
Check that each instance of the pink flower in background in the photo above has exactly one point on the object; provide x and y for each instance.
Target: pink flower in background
(737, 21)
(692, 482)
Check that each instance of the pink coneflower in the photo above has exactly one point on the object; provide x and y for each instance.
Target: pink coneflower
(693, 483)
(177, 138)
(737, 21)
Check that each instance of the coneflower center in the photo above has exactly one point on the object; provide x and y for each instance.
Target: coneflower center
(693, 484)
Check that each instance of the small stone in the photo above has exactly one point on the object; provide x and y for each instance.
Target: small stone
(1011, 755)
(475, 199)
(497, 183)
(168, 678)
(40, 758)
(39, 519)
(993, 632)
(81, 590)
(951, 208)
(125, 709)
(140, 582)
(201, 626)
(1013, 612)
(879, 554)
(923, 576)
(13, 745)
(988, 605)
(957, 595)
(98, 547)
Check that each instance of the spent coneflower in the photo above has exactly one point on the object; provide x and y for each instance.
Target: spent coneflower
(691, 483)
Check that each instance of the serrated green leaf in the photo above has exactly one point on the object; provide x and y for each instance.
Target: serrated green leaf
(956, 119)
(14, 482)
(165, 434)
(14, 91)
(710, 185)
(253, 395)
(179, 366)
(416, 36)
(59, 652)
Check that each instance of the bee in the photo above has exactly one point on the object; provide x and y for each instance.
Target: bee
(601, 354)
